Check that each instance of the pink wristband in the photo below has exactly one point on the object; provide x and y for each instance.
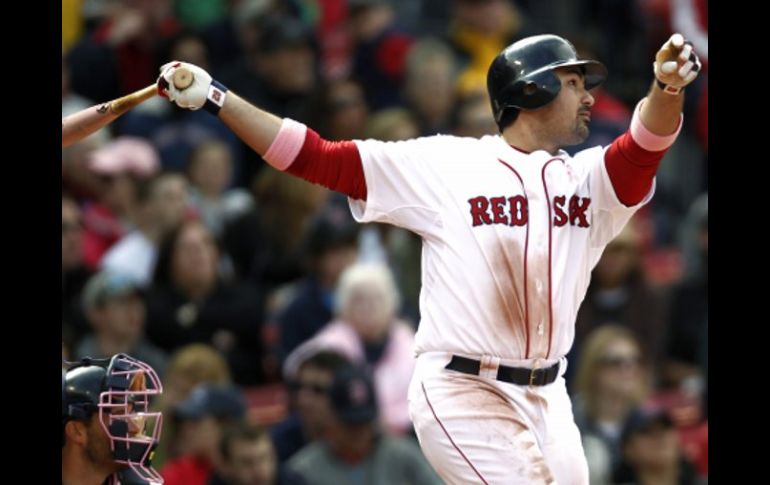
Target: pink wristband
(286, 144)
(647, 139)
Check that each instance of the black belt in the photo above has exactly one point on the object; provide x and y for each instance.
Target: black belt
(514, 375)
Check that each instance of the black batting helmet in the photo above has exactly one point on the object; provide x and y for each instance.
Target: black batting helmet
(521, 77)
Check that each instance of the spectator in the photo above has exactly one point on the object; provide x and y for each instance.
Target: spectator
(355, 446)
(265, 243)
(121, 167)
(249, 459)
(478, 30)
(116, 311)
(161, 207)
(123, 53)
(331, 246)
(309, 403)
(610, 383)
(188, 367)
(619, 293)
(380, 49)
(369, 333)
(210, 172)
(201, 419)
(190, 302)
(651, 452)
(429, 87)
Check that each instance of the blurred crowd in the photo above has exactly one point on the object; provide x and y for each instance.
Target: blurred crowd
(282, 330)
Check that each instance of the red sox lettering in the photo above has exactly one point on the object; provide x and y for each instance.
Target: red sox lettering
(513, 210)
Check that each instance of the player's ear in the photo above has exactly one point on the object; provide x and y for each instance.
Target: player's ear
(76, 432)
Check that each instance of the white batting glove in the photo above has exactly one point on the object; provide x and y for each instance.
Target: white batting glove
(204, 92)
(676, 64)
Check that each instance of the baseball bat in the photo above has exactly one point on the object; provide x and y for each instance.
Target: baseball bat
(79, 125)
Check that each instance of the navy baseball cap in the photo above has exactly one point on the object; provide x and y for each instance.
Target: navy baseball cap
(212, 400)
(352, 396)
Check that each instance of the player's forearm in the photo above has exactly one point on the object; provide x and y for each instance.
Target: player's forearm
(631, 169)
(79, 125)
(633, 158)
(661, 112)
(301, 152)
(257, 128)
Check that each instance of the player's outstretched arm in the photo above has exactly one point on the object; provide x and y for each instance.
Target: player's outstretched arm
(283, 143)
(676, 65)
(633, 158)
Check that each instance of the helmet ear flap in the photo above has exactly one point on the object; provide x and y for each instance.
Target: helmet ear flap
(536, 91)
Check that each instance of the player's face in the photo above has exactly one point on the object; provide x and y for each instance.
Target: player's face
(97, 447)
(566, 119)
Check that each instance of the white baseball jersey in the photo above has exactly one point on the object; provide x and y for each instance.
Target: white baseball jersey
(509, 242)
(509, 238)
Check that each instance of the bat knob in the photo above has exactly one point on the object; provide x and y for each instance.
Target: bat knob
(182, 78)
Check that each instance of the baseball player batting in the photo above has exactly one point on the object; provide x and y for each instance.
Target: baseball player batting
(511, 227)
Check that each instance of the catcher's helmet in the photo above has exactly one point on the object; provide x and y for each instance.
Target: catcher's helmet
(521, 77)
(117, 391)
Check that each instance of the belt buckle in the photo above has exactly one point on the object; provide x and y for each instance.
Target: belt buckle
(532, 376)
